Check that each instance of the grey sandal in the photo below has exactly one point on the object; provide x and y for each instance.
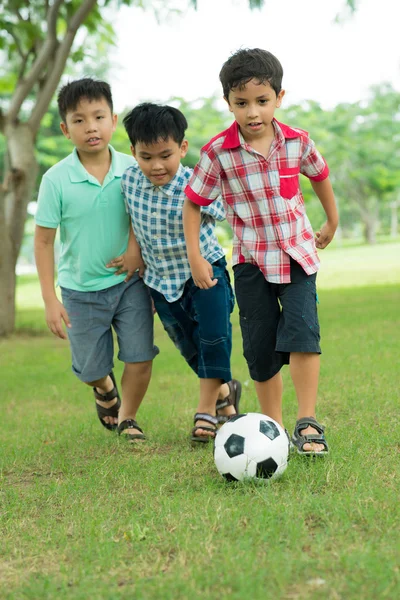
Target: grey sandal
(204, 439)
(232, 399)
(299, 440)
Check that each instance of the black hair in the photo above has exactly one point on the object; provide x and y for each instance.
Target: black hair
(149, 123)
(72, 93)
(248, 64)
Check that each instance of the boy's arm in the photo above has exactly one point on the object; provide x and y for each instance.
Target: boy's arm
(324, 191)
(131, 261)
(44, 256)
(202, 271)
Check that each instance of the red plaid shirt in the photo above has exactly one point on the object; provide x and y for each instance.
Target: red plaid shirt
(263, 201)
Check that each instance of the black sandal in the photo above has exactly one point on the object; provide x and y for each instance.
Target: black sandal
(299, 440)
(232, 399)
(204, 439)
(108, 412)
(131, 424)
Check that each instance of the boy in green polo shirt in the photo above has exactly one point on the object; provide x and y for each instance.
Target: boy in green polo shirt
(82, 196)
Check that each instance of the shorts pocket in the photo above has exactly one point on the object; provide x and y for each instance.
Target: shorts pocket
(79, 307)
(247, 329)
(310, 313)
(289, 182)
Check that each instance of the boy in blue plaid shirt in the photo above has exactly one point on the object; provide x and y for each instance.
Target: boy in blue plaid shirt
(196, 320)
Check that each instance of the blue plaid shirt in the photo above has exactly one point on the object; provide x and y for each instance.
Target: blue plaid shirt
(156, 214)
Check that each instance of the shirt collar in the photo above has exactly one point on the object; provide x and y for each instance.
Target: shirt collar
(78, 173)
(234, 139)
(169, 187)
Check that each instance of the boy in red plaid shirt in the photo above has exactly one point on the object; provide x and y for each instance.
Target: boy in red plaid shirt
(255, 166)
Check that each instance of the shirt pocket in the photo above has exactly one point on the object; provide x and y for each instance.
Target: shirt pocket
(174, 223)
(289, 182)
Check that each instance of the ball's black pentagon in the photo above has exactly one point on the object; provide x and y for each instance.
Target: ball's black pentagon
(234, 445)
(235, 418)
(269, 429)
(266, 468)
(229, 477)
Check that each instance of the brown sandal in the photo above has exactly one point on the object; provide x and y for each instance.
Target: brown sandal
(108, 412)
(232, 399)
(131, 424)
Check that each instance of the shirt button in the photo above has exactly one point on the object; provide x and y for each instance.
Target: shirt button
(154, 214)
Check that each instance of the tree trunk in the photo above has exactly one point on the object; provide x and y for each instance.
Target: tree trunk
(370, 228)
(15, 194)
(369, 211)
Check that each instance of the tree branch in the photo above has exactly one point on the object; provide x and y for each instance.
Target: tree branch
(2, 121)
(53, 77)
(17, 44)
(25, 85)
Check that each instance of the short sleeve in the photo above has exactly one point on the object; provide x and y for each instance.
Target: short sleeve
(204, 185)
(312, 163)
(215, 210)
(49, 208)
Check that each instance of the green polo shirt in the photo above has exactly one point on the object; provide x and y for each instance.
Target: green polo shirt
(94, 224)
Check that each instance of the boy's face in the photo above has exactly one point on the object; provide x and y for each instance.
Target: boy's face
(90, 126)
(254, 107)
(160, 162)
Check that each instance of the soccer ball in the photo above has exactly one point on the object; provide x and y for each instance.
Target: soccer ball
(251, 446)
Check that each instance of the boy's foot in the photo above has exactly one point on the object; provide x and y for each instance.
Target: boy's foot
(309, 438)
(131, 430)
(229, 406)
(108, 403)
(205, 427)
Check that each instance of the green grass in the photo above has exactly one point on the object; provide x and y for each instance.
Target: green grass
(85, 516)
(358, 266)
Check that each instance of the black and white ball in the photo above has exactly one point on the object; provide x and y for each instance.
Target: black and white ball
(251, 446)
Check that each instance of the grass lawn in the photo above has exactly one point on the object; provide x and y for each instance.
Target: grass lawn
(85, 516)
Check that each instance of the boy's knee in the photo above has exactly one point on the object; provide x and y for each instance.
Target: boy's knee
(140, 368)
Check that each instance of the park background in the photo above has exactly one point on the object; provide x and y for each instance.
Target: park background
(83, 515)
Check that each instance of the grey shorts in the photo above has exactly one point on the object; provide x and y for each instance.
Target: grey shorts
(275, 318)
(127, 309)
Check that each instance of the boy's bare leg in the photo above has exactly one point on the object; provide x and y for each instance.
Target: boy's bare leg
(304, 370)
(269, 394)
(134, 384)
(104, 385)
(209, 392)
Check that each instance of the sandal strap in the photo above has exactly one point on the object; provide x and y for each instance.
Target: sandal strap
(205, 417)
(305, 422)
(106, 397)
(112, 411)
(232, 399)
(203, 428)
(309, 439)
(223, 403)
(129, 424)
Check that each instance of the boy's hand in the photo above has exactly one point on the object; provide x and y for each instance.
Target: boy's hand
(129, 264)
(325, 235)
(202, 273)
(55, 315)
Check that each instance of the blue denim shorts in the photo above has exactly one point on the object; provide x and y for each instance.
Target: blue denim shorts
(275, 318)
(125, 307)
(199, 324)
